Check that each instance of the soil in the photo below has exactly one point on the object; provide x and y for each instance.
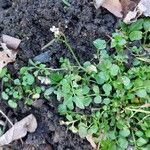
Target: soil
(31, 20)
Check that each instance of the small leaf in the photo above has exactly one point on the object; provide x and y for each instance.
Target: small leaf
(49, 91)
(96, 89)
(126, 81)
(114, 70)
(12, 104)
(124, 132)
(106, 101)
(98, 99)
(82, 131)
(5, 96)
(141, 93)
(135, 35)
(141, 141)
(147, 133)
(79, 102)
(99, 44)
(123, 143)
(107, 89)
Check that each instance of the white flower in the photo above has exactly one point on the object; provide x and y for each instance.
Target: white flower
(55, 31)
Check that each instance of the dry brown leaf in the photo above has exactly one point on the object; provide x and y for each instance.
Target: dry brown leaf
(9, 47)
(143, 8)
(114, 6)
(90, 139)
(11, 42)
(6, 56)
(19, 130)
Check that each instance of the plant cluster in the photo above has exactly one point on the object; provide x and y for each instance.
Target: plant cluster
(101, 98)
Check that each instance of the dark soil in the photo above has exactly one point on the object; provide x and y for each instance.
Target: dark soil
(30, 20)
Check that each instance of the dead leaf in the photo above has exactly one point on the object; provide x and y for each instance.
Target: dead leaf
(19, 130)
(143, 8)
(11, 42)
(114, 6)
(90, 139)
(6, 56)
(9, 47)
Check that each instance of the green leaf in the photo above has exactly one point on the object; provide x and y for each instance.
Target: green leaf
(146, 24)
(107, 89)
(114, 70)
(3, 72)
(12, 104)
(29, 101)
(141, 141)
(98, 99)
(141, 93)
(102, 77)
(87, 101)
(93, 129)
(112, 135)
(62, 109)
(99, 44)
(124, 132)
(85, 90)
(17, 82)
(5, 96)
(69, 103)
(79, 102)
(135, 35)
(147, 133)
(139, 133)
(126, 81)
(83, 131)
(122, 142)
(106, 101)
(49, 91)
(96, 89)
(136, 25)
(29, 79)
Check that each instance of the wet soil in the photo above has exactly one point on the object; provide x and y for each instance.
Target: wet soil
(31, 20)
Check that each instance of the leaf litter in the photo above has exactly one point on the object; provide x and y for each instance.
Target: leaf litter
(9, 51)
(127, 9)
(19, 130)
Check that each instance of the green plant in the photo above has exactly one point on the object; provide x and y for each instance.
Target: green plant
(104, 98)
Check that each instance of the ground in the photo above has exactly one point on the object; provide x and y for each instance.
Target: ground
(31, 22)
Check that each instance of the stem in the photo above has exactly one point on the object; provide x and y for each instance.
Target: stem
(71, 50)
(48, 44)
(6, 117)
(139, 110)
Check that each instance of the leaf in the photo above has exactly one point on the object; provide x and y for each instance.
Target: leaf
(98, 99)
(82, 131)
(107, 89)
(79, 102)
(141, 93)
(114, 6)
(122, 142)
(5, 96)
(135, 35)
(114, 70)
(99, 44)
(19, 130)
(147, 133)
(12, 104)
(6, 56)
(141, 141)
(124, 132)
(126, 81)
